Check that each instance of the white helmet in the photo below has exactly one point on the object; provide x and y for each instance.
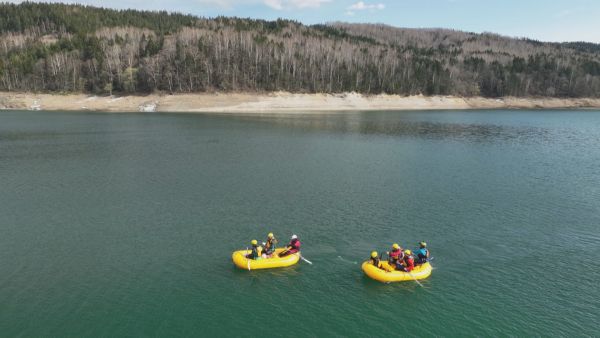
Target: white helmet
(294, 237)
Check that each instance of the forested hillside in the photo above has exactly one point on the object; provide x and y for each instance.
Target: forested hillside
(72, 48)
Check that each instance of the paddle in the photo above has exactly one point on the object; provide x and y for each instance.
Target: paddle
(411, 275)
(415, 279)
(304, 259)
(283, 252)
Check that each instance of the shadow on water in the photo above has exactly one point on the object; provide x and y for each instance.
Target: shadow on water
(265, 274)
(393, 292)
(400, 125)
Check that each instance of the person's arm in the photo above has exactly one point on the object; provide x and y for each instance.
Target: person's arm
(287, 248)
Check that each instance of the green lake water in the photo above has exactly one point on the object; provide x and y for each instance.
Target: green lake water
(124, 224)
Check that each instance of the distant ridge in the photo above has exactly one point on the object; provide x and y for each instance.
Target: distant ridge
(82, 49)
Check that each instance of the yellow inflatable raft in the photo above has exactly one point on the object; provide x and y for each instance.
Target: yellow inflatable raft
(240, 260)
(388, 275)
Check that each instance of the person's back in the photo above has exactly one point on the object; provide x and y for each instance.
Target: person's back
(254, 253)
(270, 244)
(375, 259)
(395, 255)
(422, 253)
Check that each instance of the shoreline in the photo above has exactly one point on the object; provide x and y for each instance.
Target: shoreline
(276, 102)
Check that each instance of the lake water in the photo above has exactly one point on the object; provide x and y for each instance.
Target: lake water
(124, 224)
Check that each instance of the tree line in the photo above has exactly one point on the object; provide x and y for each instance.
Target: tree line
(73, 48)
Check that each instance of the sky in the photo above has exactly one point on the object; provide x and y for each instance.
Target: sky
(545, 20)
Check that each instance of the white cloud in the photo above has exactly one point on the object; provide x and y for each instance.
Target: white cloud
(308, 3)
(361, 6)
(275, 4)
(291, 4)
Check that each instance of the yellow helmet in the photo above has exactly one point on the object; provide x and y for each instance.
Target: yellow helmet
(270, 235)
(254, 242)
(396, 246)
(423, 244)
(373, 254)
(407, 252)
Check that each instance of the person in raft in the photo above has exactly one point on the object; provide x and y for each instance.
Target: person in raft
(408, 264)
(395, 255)
(292, 247)
(375, 260)
(256, 250)
(422, 253)
(270, 245)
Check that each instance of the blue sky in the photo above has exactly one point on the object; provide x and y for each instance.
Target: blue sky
(551, 20)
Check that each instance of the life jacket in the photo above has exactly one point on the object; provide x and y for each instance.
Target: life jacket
(270, 246)
(410, 262)
(295, 244)
(259, 251)
(395, 255)
(254, 253)
(375, 261)
(422, 253)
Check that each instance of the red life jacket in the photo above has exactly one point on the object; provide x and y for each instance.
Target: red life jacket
(410, 263)
(395, 254)
(295, 244)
